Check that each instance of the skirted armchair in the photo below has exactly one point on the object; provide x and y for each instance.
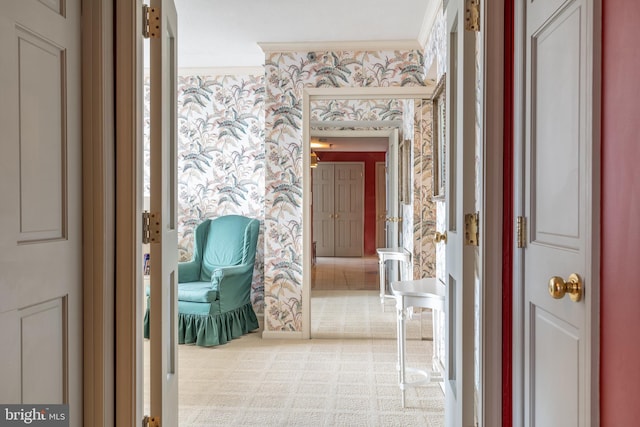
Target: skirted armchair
(214, 288)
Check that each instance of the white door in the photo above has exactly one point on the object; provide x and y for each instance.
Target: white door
(557, 177)
(164, 242)
(459, 196)
(323, 209)
(349, 209)
(381, 204)
(40, 214)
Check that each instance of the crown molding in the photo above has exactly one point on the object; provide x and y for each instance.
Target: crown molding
(221, 71)
(369, 45)
(428, 22)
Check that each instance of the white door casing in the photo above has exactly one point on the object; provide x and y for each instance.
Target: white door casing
(308, 95)
(381, 204)
(559, 202)
(460, 200)
(393, 196)
(41, 213)
(164, 228)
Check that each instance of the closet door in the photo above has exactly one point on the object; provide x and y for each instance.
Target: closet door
(338, 209)
(323, 207)
(349, 212)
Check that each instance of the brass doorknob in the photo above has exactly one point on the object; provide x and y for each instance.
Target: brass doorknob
(558, 287)
(440, 237)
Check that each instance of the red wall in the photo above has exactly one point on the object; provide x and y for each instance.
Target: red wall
(620, 257)
(369, 160)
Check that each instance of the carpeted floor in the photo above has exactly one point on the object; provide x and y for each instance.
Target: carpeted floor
(345, 376)
(358, 314)
(320, 382)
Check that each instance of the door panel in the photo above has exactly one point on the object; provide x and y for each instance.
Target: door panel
(349, 209)
(40, 214)
(163, 311)
(323, 207)
(557, 202)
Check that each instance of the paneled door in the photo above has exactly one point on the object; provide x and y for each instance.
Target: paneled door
(460, 201)
(40, 214)
(558, 180)
(163, 335)
(338, 209)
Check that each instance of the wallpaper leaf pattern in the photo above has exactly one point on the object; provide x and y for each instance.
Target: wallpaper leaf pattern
(286, 74)
(221, 158)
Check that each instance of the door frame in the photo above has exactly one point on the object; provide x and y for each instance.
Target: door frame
(98, 214)
(592, 310)
(309, 95)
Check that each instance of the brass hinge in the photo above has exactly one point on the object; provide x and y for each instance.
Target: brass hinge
(521, 232)
(471, 233)
(472, 15)
(150, 227)
(148, 421)
(150, 22)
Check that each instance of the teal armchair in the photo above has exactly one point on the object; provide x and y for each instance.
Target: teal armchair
(214, 288)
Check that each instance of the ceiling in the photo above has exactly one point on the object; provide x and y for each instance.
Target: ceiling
(215, 34)
(226, 33)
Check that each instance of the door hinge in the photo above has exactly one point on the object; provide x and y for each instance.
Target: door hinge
(521, 232)
(150, 227)
(471, 233)
(472, 15)
(148, 421)
(150, 22)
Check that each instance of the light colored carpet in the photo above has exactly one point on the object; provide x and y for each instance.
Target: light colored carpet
(321, 382)
(358, 314)
(347, 378)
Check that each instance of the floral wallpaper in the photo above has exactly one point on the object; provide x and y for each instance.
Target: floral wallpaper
(424, 208)
(221, 158)
(286, 75)
(356, 110)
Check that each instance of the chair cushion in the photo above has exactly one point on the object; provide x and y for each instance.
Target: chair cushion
(197, 292)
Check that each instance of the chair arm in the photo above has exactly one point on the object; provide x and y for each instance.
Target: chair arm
(188, 271)
(233, 284)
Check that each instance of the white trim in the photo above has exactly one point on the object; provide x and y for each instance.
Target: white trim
(431, 14)
(517, 344)
(336, 46)
(393, 92)
(220, 71)
(364, 133)
(309, 94)
(282, 335)
(356, 124)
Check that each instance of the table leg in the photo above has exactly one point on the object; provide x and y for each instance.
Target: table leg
(401, 344)
(382, 281)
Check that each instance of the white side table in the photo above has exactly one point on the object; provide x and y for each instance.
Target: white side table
(391, 254)
(425, 293)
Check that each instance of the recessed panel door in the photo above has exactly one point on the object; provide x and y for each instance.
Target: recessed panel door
(41, 358)
(557, 177)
